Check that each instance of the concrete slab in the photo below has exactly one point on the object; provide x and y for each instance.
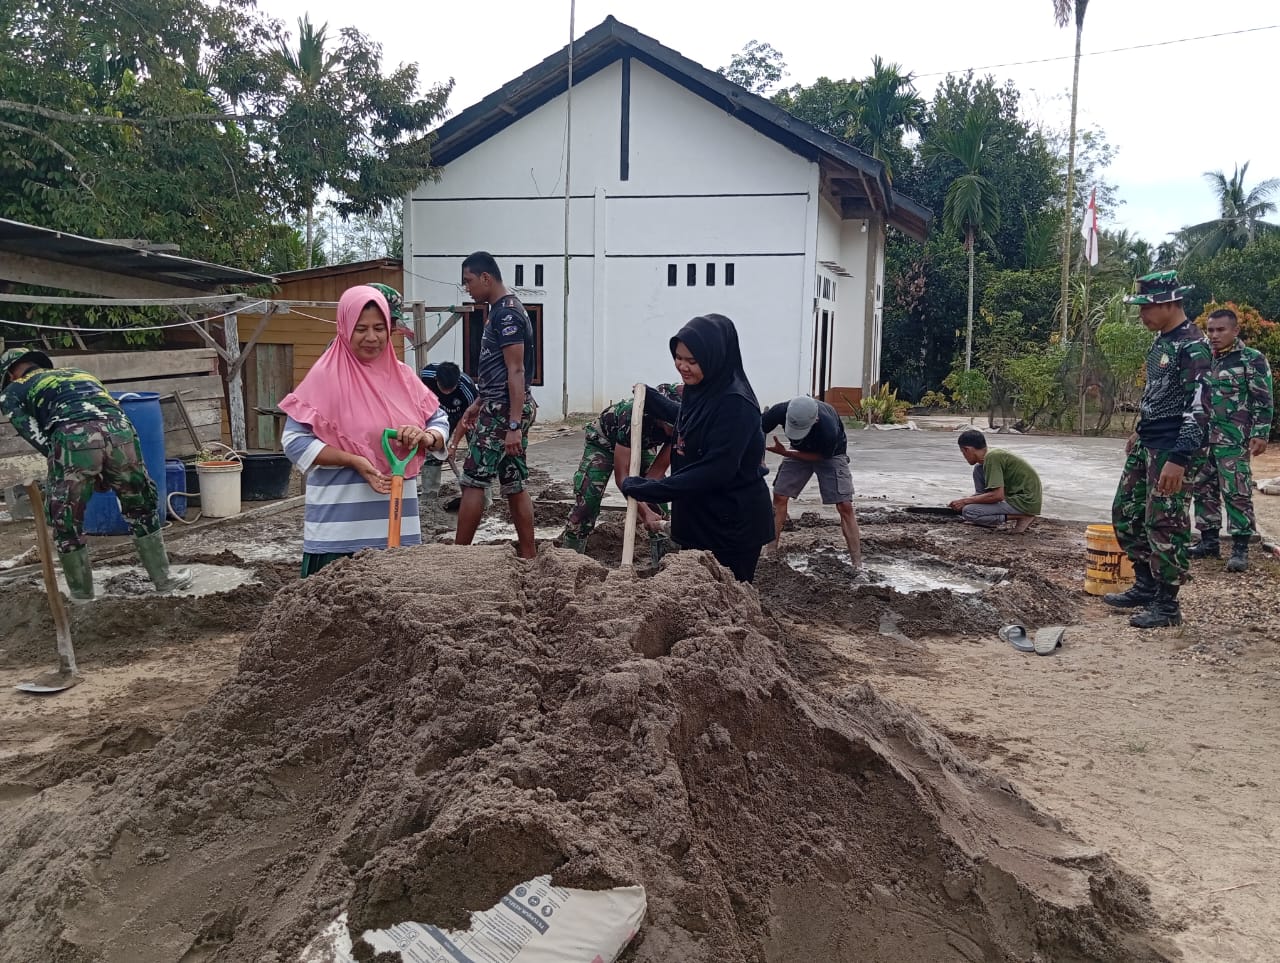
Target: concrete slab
(925, 468)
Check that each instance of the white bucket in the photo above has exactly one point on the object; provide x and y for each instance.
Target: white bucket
(219, 488)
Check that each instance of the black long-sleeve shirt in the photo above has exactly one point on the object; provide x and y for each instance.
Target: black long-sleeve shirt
(719, 499)
(1173, 417)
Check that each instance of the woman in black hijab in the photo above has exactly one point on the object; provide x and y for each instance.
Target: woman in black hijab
(719, 499)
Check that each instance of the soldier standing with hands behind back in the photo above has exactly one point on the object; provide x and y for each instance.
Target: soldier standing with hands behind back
(1240, 410)
(1150, 507)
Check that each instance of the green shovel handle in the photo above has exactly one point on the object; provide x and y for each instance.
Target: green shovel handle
(398, 465)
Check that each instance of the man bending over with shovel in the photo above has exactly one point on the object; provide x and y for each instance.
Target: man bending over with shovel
(606, 453)
(69, 417)
(818, 446)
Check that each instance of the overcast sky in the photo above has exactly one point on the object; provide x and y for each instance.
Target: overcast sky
(1173, 112)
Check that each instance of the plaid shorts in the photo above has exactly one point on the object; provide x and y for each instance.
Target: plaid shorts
(487, 457)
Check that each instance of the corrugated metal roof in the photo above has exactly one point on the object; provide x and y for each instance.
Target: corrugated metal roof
(49, 245)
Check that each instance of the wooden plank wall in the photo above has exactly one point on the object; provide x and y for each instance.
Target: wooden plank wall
(310, 337)
(193, 372)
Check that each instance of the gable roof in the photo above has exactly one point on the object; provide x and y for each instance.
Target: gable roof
(858, 181)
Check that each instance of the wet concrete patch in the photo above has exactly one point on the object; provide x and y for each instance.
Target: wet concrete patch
(127, 581)
(904, 575)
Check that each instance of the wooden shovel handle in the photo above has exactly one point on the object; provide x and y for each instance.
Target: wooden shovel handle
(44, 544)
(637, 448)
(396, 511)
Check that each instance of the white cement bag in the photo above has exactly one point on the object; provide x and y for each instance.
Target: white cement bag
(534, 923)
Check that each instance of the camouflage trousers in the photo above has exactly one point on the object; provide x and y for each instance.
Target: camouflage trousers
(1151, 528)
(487, 456)
(103, 454)
(1218, 474)
(589, 484)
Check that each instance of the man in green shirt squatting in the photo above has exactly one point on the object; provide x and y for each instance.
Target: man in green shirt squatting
(1006, 488)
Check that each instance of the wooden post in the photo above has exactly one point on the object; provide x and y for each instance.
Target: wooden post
(637, 448)
(419, 335)
(58, 608)
(235, 383)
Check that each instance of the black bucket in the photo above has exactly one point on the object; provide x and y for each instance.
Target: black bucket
(265, 477)
(192, 487)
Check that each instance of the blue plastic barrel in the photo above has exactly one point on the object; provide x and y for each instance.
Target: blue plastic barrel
(175, 480)
(142, 408)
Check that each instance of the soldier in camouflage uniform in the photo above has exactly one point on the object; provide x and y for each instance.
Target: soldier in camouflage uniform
(607, 453)
(1150, 508)
(69, 417)
(1240, 410)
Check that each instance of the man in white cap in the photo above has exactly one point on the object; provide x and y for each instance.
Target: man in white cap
(818, 445)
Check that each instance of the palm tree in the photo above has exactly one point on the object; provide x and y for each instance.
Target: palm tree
(1241, 220)
(309, 66)
(884, 106)
(972, 205)
(1062, 10)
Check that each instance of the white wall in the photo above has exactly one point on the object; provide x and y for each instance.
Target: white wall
(851, 306)
(624, 234)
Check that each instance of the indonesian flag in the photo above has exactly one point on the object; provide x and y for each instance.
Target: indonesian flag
(1089, 230)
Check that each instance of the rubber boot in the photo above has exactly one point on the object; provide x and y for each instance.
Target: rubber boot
(1142, 593)
(1239, 561)
(156, 561)
(1162, 613)
(79, 574)
(1207, 547)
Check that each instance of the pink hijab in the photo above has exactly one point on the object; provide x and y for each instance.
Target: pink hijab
(348, 403)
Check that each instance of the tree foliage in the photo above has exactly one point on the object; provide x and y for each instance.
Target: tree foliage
(758, 67)
(183, 121)
(1240, 221)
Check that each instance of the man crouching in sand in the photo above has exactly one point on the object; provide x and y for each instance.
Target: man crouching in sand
(1006, 488)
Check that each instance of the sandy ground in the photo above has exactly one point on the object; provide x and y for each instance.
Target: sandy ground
(1155, 747)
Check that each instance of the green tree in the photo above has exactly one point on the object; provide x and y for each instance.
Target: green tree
(972, 205)
(884, 107)
(347, 129)
(825, 104)
(1062, 11)
(1249, 275)
(758, 67)
(1240, 221)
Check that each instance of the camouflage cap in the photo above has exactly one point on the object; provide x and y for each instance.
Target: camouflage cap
(14, 355)
(1158, 287)
(673, 391)
(394, 301)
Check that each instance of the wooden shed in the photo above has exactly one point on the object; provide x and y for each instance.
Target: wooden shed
(292, 340)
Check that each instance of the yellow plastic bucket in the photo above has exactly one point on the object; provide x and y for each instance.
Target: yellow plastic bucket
(1106, 567)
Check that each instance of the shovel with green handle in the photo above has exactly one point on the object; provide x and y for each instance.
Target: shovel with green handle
(398, 465)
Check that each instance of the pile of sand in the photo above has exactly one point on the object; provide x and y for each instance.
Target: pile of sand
(411, 733)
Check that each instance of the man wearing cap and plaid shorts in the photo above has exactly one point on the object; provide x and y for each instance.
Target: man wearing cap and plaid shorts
(818, 447)
(1150, 507)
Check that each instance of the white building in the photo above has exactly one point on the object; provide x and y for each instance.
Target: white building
(688, 195)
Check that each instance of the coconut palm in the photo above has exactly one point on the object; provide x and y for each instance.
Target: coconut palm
(1062, 11)
(1241, 220)
(972, 204)
(308, 67)
(884, 106)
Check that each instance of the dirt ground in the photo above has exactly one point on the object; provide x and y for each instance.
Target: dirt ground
(1156, 748)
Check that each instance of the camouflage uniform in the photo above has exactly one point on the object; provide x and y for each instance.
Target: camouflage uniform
(1239, 391)
(611, 429)
(1154, 529)
(487, 456)
(67, 415)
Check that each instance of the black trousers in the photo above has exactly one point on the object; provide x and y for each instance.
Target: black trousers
(741, 564)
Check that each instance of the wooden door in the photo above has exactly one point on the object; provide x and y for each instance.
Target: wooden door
(268, 377)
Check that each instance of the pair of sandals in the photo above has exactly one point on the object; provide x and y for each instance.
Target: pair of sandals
(1046, 640)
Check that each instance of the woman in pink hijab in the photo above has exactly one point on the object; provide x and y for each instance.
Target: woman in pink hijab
(333, 434)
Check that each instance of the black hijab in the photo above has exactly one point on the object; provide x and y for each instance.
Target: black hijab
(713, 341)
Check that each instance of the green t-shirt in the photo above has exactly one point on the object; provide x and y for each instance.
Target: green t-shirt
(1021, 484)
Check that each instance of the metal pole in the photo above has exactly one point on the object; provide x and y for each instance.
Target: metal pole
(568, 150)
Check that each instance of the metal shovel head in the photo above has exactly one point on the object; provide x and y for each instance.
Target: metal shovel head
(49, 683)
(453, 504)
